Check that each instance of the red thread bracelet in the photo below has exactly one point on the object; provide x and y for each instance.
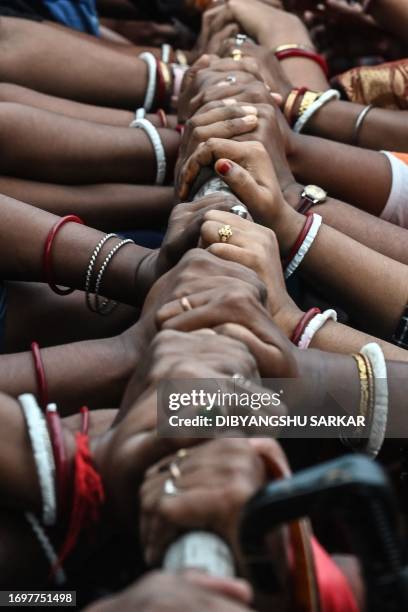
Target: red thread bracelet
(303, 323)
(88, 497)
(40, 375)
(306, 54)
(47, 264)
(299, 240)
(163, 118)
(60, 456)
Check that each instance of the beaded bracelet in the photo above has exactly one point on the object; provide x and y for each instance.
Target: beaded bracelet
(90, 269)
(43, 456)
(47, 264)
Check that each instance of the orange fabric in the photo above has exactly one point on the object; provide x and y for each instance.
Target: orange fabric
(402, 156)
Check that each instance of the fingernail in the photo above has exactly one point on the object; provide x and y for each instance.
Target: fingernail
(250, 119)
(250, 110)
(224, 167)
(229, 101)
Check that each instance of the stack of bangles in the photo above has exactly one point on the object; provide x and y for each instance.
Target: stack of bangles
(303, 243)
(295, 50)
(302, 104)
(96, 269)
(164, 78)
(311, 322)
(77, 494)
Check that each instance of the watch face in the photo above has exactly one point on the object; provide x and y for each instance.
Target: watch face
(315, 193)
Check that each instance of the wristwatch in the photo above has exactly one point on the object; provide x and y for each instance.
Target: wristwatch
(310, 196)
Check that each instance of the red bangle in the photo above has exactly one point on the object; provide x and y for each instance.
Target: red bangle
(40, 375)
(303, 323)
(305, 53)
(163, 118)
(47, 264)
(60, 457)
(300, 239)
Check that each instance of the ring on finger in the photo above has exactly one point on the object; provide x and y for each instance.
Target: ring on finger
(225, 233)
(236, 55)
(240, 210)
(170, 488)
(174, 470)
(185, 304)
(231, 79)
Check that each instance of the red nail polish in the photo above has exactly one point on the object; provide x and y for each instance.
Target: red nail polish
(224, 168)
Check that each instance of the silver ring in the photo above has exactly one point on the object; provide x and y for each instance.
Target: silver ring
(240, 39)
(240, 210)
(170, 488)
(231, 79)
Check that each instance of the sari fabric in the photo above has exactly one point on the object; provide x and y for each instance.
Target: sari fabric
(383, 86)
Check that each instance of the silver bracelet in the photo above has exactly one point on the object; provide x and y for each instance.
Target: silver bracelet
(328, 96)
(359, 123)
(59, 574)
(91, 267)
(107, 306)
(43, 456)
(142, 123)
(150, 60)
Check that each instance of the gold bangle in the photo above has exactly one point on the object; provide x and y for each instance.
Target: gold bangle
(367, 399)
(290, 46)
(290, 100)
(308, 99)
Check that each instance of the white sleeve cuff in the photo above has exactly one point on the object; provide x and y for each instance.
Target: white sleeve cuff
(396, 209)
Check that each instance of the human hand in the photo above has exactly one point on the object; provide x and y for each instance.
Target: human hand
(216, 479)
(256, 247)
(190, 592)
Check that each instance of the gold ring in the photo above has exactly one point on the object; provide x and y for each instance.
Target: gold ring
(236, 55)
(182, 453)
(185, 304)
(225, 233)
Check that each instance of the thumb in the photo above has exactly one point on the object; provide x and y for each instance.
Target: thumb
(239, 181)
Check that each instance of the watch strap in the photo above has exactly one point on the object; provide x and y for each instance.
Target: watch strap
(305, 204)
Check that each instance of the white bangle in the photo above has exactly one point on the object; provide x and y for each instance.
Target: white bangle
(150, 60)
(59, 574)
(328, 96)
(314, 326)
(43, 456)
(157, 144)
(305, 246)
(379, 420)
(166, 51)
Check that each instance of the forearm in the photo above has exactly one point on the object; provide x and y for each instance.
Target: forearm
(103, 207)
(94, 74)
(94, 373)
(377, 234)
(392, 15)
(301, 72)
(72, 151)
(381, 129)
(362, 178)
(351, 275)
(21, 253)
